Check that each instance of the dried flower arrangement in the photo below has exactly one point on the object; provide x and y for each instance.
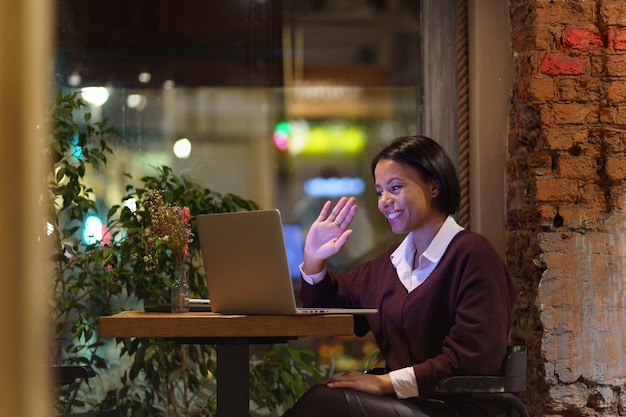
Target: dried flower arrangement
(171, 228)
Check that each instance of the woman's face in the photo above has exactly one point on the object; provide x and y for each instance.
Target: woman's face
(407, 201)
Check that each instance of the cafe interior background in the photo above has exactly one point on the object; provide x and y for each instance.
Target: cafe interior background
(281, 102)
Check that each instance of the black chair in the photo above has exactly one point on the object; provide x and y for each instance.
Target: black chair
(67, 374)
(505, 388)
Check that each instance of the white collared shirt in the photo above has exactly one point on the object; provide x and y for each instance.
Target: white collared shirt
(403, 380)
(402, 257)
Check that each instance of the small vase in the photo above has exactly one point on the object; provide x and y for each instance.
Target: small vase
(180, 290)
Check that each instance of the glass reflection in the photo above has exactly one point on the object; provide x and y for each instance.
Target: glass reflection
(261, 97)
(282, 102)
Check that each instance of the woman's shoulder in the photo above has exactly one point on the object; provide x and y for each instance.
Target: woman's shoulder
(468, 241)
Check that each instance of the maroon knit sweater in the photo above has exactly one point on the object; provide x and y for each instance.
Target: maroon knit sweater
(456, 323)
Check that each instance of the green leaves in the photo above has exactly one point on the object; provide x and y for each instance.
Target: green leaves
(157, 377)
(280, 378)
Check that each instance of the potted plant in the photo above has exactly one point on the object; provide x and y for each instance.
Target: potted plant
(114, 273)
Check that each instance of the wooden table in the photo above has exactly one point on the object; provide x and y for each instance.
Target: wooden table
(232, 336)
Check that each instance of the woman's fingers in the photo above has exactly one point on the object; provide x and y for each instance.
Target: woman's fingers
(343, 212)
(324, 211)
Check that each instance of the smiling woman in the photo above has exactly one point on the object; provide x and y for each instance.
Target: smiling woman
(262, 98)
(437, 293)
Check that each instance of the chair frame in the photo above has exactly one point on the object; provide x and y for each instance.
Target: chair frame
(67, 374)
(504, 388)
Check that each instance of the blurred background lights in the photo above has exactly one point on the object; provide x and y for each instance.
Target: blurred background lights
(92, 232)
(136, 101)
(95, 95)
(144, 77)
(77, 150)
(333, 187)
(182, 148)
(74, 79)
(300, 137)
(281, 136)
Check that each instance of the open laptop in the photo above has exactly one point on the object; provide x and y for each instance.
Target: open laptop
(246, 266)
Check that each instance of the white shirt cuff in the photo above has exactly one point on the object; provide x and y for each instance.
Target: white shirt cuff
(404, 382)
(312, 279)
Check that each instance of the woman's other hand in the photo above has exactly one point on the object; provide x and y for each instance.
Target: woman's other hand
(372, 384)
(328, 234)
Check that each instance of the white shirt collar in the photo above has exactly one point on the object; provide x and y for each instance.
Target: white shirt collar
(402, 257)
(434, 251)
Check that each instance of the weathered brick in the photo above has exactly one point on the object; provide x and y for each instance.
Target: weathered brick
(616, 92)
(597, 65)
(546, 115)
(577, 167)
(615, 167)
(617, 200)
(592, 196)
(522, 27)
(613, 12)
(582, 39)
(518, 164)
(576, 12)
(549, 189)
(563, 138)
(601, 399)
(615, 115)
(570, 178)
(528, 117)
(569, 396)
(546, 214)
(524, 41)
(581, 216)
(520, 90)
(608, 115)
(546, 38)
(616, 65)
(541, 89)
(526, 64)
(581, 88)
(617, 39)
(621, 115)
(571, 113)
(540, 164)
(553, 64)
(615, 141)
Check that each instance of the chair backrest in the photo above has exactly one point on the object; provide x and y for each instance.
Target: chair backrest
(66, 374)
(514, 368)
(505, 388)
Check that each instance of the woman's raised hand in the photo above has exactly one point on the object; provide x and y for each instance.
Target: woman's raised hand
(328, 233)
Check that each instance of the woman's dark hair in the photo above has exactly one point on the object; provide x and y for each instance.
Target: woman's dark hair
(431, 161)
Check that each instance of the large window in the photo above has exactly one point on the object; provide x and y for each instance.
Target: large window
(280, 102)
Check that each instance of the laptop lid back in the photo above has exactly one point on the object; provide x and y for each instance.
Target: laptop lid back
(245, 262)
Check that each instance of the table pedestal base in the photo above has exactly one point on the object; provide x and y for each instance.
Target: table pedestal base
(233, 379)
(233, 370)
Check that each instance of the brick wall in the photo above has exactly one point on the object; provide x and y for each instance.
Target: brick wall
(566, 202)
